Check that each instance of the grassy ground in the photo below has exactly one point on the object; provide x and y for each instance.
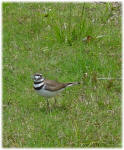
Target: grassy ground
(65, 42)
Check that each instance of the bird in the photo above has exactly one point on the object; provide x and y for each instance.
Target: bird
(49, 88)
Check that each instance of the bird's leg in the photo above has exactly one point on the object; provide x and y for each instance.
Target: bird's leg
(55, 101)
(48, 104)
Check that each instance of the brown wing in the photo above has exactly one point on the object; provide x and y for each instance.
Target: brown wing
(53, 85)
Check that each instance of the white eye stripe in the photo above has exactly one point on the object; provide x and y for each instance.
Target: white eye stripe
(37, 77)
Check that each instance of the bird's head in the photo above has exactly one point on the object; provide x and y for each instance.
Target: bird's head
(37, 77)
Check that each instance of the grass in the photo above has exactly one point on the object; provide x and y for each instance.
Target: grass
(65, 42)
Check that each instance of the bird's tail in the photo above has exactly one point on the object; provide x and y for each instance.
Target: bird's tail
(72, 83)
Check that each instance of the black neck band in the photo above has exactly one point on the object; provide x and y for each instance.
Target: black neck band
(38, 82)
(38, 88)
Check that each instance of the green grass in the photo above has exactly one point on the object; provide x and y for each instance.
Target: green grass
(48, 38)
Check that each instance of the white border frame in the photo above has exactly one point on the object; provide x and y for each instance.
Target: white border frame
(1, 64)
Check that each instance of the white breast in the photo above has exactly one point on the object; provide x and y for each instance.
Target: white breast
(47, 93)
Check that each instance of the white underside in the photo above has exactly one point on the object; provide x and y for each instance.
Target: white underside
(46, 93)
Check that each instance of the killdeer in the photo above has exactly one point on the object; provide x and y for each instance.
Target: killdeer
(49, 88)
